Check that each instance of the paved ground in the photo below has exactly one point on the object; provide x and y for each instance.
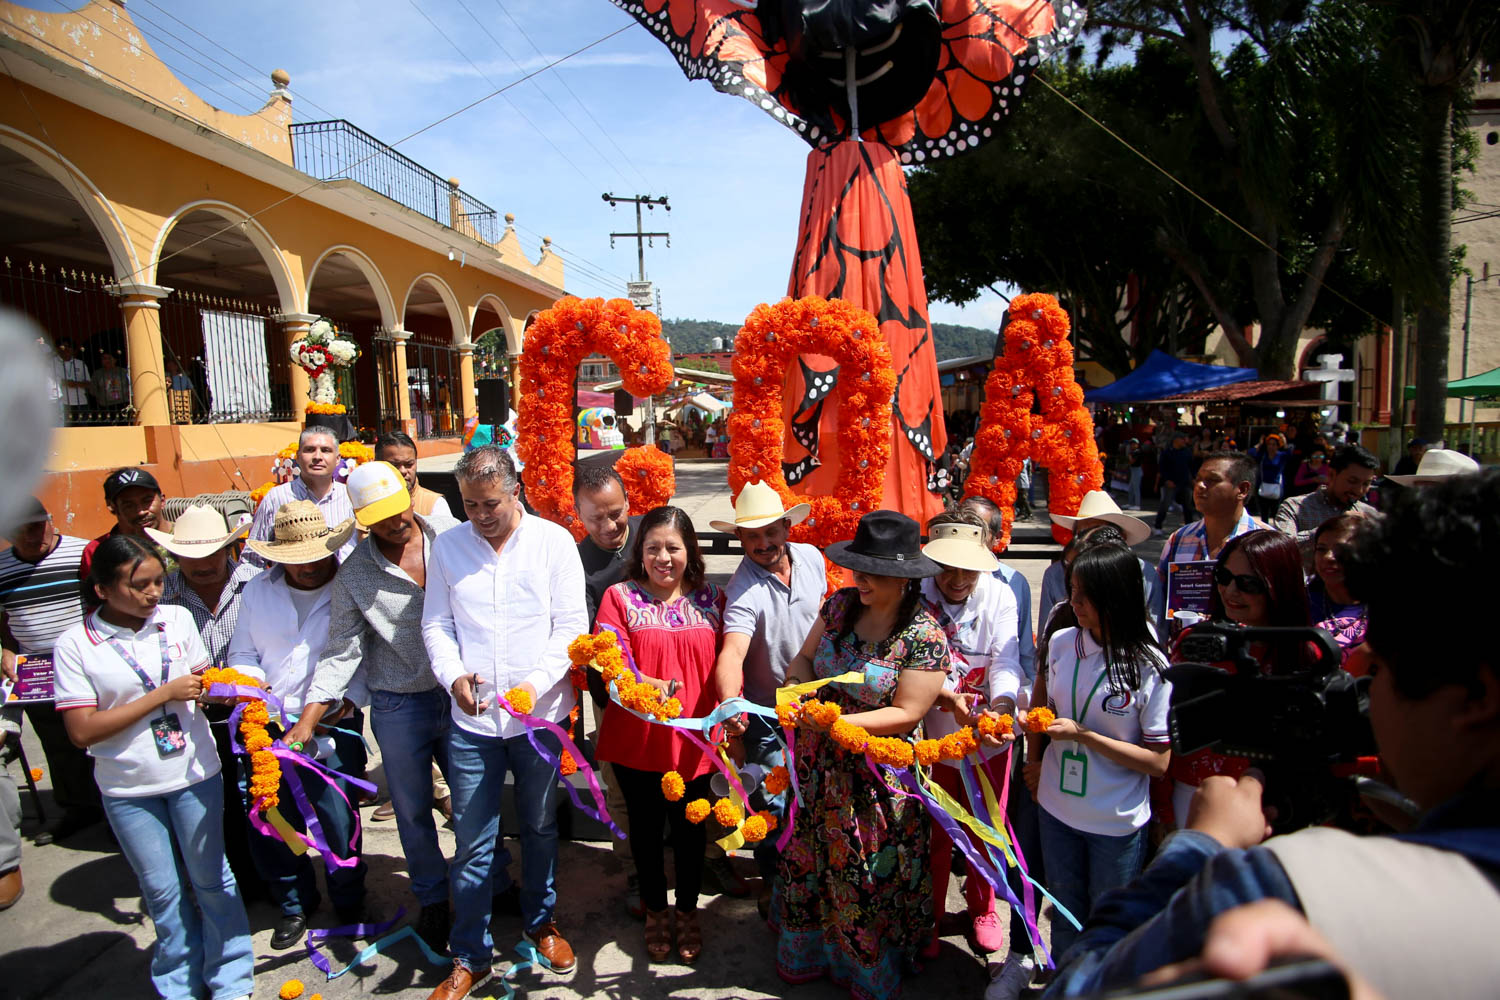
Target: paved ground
(79, 930)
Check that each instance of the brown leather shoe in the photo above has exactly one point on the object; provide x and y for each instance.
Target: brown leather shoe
(552, 947)
(459, 982)
(11, 890)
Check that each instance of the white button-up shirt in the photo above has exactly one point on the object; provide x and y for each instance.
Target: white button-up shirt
(507, 616)
(268, 644)
(335, 506)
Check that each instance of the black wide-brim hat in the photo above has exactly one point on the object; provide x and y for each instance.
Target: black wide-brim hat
(886, 543)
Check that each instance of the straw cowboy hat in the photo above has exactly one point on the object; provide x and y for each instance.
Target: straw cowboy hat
(1436, 465)
(1098, 505)
(886, 543)
(757, 506)
(960, 546)
(200, 531)
(302, 536)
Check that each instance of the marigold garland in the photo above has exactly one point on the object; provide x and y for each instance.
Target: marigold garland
(1036, 367)
(727, 814)
(1038, 719)
(996, 725)
(557, 341)
(772, 337)
(755, 829)
(520, 700)
(891, 751)
(673, 787)
(697, 811)
(327, 409)
(777, 780)
(265, 769)
(649, 477)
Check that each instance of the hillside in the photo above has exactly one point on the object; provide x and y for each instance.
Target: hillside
(693, 335)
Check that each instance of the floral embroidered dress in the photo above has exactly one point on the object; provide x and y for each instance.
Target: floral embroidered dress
(854, 896)
(673, 640)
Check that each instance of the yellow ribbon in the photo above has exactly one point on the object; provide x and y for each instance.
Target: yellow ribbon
(796, 692)
(981, 829)
(292, 838)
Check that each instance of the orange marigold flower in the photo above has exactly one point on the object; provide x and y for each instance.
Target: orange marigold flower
(1038, 719)
(255, 714)
(520, 700)
(672, 786)
(697, 810)
(788, 713)
(928, 752)
(824, 713)
(671, 709)
(891, 751)
(769, 818)
(291, 989)
(755, 829)
(965, 740)
(567, 765)
(581, 650)
(36, 774)
(777, 780)
(726, 813)
(849, 736)
(258, 740)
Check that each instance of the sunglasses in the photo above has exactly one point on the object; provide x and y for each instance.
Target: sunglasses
(1250, 586)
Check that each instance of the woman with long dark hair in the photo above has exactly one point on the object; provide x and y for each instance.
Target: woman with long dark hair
(1104, 682)
(671, 622)
(853, 897)
(1332, 606)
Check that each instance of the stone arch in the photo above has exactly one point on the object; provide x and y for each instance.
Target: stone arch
(507, 321)
(287, 291)
(106, 221)
(389, 319)
(459, 328)
(1310, 352)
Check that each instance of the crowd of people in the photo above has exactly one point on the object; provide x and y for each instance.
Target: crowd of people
(372, 598)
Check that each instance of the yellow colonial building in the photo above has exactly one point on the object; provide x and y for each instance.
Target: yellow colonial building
(187, 247)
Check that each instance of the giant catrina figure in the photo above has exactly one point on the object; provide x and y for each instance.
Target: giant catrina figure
(871, 85)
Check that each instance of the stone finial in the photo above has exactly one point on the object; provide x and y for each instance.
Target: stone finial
(453, 183)
(281, 78)
(510, 218)
(546, 241)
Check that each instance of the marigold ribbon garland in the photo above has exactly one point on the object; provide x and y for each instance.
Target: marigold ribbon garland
(649, 476)
(1036, 367)
(557, 341)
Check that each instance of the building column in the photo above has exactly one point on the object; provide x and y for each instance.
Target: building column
(403, 391)
(468, 407)
(294, 327)
(141, 305)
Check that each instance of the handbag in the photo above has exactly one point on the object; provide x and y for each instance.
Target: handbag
(1270, 491)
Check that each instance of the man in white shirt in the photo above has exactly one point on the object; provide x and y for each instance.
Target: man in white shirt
(283, 626)
(317, 461)
(72, 381)
(505, 596)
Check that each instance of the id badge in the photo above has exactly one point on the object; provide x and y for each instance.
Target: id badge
(170, 739)
(1073, 777)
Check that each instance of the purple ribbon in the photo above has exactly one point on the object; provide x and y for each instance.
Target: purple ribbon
(791, 807)
(600, 811)
(317, 937)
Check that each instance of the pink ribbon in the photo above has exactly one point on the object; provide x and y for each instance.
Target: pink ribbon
(600, 811)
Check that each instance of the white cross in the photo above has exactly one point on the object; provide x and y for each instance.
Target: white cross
(1330, 374)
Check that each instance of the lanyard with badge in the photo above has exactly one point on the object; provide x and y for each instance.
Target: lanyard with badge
(166, 729)
(1073, 779)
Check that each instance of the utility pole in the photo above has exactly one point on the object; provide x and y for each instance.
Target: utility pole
(640, 290)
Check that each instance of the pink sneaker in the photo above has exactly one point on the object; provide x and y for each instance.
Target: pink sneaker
(987, 933)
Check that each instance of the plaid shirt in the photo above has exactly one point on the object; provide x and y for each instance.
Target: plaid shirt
(215, 624)
(1189, 543)
(1301, 516)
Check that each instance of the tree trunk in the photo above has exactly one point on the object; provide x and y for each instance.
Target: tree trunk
(1398, 359)
(1436, 201)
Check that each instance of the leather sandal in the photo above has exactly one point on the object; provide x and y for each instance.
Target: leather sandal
(658, 934)
(689, 936)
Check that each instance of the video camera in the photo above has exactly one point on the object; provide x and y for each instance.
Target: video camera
(1279, 697)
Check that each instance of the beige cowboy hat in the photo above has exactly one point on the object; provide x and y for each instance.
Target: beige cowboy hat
(302, 536)
(757, 506)
(1098, 505)
(960, 546)
(1436, 465)
(200, 531)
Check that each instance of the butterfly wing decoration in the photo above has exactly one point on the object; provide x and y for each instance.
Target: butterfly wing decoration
(934, 77)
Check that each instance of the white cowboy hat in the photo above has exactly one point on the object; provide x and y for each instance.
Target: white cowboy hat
(757, 506)
(960, 546)
(1098, 505)
(1436, 465)
(302, 536)
(200, 531)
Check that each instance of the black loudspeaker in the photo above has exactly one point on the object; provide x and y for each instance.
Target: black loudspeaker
(624, 404)
(494, 400)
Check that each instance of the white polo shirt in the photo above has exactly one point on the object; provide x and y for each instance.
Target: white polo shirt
(984, 648)
(1117, 800)
(91, 674)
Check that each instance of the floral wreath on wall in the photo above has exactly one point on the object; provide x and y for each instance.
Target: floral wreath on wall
(556, 341)
(319, 353)
(1036, 367)
(772, 337)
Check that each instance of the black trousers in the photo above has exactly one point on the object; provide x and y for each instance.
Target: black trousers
(648, 809)
(72, 768)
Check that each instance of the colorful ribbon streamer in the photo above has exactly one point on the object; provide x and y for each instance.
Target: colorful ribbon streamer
(599, 811)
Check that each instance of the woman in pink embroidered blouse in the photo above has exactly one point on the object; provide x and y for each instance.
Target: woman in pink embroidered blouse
(670, 622)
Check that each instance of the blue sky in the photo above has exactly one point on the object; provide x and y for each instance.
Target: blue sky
(621, 117)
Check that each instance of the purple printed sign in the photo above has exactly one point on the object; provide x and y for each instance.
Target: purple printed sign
(1190, 588)
(33, 679)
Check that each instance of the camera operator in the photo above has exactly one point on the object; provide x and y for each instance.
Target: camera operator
(1413, 913)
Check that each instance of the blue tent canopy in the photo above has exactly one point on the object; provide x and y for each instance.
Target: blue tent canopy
(1162, 375)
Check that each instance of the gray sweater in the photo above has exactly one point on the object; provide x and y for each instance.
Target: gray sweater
(376, 627)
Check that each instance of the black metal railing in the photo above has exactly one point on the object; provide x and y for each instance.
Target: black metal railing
(433, 380)
(225, 361)
(337, 150)
(90, 378)
(388, 406)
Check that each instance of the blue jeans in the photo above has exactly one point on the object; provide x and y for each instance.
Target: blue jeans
(289, 877)
(1081, 867)
(763, 748)
(173, 841)
(412, 730)
(476, 779)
